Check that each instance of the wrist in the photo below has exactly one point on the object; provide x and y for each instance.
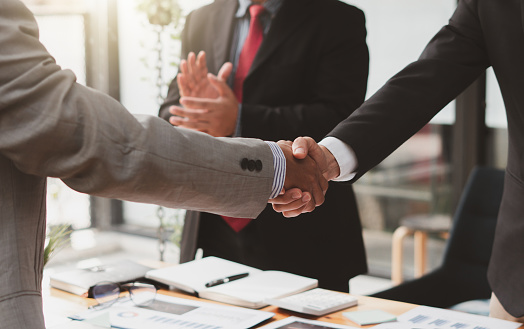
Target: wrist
(333, 169)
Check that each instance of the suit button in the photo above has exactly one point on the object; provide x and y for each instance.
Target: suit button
(258, 165)
(251, 165)
(244, 163)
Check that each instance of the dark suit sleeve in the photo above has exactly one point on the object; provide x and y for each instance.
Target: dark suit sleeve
(336, 83)
(451, 61)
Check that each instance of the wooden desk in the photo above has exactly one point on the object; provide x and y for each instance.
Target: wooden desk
(364, 303)
(59, 303)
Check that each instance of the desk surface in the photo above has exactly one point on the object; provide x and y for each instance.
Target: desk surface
(59, 303)
(364, 303)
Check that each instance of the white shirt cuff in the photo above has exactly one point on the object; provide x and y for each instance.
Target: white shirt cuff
(279, 165)
(345, 156)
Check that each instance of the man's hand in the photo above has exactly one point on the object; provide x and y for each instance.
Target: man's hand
(304, 174)
(287, 203)
(192, 79)
(209, 105)
(304, 146)
(215, 116)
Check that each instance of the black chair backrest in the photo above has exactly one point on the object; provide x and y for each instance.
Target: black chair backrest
(473, 230)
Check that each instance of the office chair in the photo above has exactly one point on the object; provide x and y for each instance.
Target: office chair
(463, 273)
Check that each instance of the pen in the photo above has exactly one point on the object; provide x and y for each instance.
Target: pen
(226, 279)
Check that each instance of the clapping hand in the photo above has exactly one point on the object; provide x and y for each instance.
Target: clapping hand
(209, 104)
(192, 79)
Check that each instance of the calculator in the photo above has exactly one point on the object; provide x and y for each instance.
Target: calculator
(316, 301)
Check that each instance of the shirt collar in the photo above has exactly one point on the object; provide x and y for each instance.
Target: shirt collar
(272, 6)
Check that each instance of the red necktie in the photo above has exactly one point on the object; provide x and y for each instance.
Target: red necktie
(249, 50)
(247, 55)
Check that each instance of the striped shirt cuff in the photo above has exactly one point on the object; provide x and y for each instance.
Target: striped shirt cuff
(279, 165)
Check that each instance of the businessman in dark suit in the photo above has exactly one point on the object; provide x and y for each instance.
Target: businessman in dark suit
(310, 71)
(480, 34)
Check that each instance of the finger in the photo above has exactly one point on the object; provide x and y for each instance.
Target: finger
(308, 207)
(225, 71)
(176, 121)
(190, 124)
(284, 142)
(324, 185)
(190, 82)
(283, 204)
(191, 114)
(197, 103)
(197, 67)
(183, 66)
(182, 84)
(191, 62)
(287, 197)
(316, 152)
(303, 146)
(318, 192)
(201, 65)
(220, 85)
(191, 58)
(318, 196)
(300, 147)
(295, 206)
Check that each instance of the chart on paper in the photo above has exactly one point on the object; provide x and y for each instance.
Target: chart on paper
(436, 318)
(173, 313)
(161, 321)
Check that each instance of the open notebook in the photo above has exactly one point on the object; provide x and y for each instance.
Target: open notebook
(250, 291)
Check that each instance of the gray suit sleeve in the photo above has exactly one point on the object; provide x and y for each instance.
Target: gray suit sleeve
(52, 126)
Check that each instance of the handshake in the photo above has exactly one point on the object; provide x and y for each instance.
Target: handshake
(309, 167)
(209, 105)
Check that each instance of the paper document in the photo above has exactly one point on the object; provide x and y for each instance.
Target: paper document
(174, 313)
(299, 323)
(252, 288)
(436, 318)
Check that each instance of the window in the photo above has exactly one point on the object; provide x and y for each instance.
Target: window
(67, 46)
(138, 90)
(415, 179)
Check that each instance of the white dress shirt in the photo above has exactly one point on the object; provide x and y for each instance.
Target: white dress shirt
(345, 156)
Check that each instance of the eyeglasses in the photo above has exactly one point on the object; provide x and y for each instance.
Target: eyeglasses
(107, 293)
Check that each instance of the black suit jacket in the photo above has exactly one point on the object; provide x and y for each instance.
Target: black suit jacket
(309, 74)
(481, 33)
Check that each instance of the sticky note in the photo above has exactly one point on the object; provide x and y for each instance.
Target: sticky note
(369, 317)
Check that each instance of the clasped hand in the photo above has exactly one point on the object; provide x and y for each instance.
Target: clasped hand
(309, 167)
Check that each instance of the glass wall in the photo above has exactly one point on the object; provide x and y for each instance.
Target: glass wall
(415, 178)
(67, 46)
(139, 48)
(496, 122)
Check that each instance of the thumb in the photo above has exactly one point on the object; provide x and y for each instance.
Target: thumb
(219, 84)
(301, 147)
(225, 71)
(304, 146)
